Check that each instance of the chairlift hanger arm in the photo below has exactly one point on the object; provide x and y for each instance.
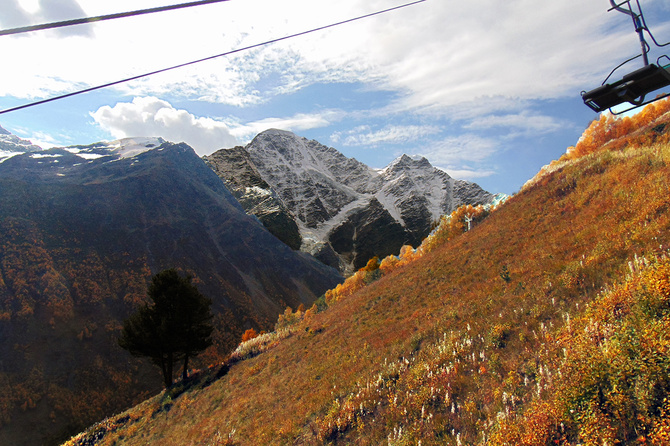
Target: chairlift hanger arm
(634, 87)
(646, 28)
(619, 7)
(638, 21)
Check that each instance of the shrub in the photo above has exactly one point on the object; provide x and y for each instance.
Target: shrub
(249, 334)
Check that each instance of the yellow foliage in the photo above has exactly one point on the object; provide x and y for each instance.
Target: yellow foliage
(388, 264)
(613, 370)
(372, 265)
(612, 132)
(349, 287)
(662, 281)
(310, 312)
(660, 435)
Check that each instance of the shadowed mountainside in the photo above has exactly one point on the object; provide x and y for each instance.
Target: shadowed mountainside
(82, 229)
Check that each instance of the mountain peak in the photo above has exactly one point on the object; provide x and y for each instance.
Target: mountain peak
(405, 162)
(130, 147)
(281, 132)
(340, 206)
(276, 135)
(11, 145)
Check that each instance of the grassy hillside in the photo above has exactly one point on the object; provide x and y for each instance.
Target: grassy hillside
(546, 323)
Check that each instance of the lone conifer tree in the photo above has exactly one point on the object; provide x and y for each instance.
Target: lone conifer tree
(176, 326)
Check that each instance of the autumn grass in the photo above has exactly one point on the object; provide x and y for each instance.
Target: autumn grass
(604, 377)
(464, 344)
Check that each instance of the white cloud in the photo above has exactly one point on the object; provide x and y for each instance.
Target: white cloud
(468, 174)
(14, 14)
(45, 140)
(516, 49)
(298, 122)
(18, 13)
(460, 149)
(463, 157)
(39, 138)
(434, 55)
(525, 123)
(150, 116)
(391, 134)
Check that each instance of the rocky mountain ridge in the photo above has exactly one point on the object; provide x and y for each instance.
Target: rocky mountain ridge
(11, 145)
(337, 208)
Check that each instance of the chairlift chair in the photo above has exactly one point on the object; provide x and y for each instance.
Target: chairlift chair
(633, 87)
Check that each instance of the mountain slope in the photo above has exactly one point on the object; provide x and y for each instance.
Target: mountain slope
(11, 145)
(82, 229)
(459, 345)
(313, 197)
(254, 194)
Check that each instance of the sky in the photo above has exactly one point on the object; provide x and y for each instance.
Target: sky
(487, 90)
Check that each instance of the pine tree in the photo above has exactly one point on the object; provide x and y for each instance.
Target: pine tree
(176, 326)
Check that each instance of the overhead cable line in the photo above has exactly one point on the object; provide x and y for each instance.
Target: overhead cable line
(238, 50)
(100, 18)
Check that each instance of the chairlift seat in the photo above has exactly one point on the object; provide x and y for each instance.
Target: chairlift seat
(632, 88)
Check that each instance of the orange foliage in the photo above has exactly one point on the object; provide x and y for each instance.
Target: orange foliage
(661, 433)
(349, 287)
(372, 265)
(614, 133)
(249, 334)
(309, 313)
(388, 264)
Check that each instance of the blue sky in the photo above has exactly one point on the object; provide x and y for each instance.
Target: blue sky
(487, 90)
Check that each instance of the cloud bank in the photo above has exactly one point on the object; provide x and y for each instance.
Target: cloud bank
(150, 116)
(434, 55)
(457, 82)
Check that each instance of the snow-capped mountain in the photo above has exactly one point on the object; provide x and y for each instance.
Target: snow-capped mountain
(11, 145)
(344, 211)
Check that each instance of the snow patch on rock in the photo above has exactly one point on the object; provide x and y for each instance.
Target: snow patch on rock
(131, 147)
(332, 197)
(12, 145)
